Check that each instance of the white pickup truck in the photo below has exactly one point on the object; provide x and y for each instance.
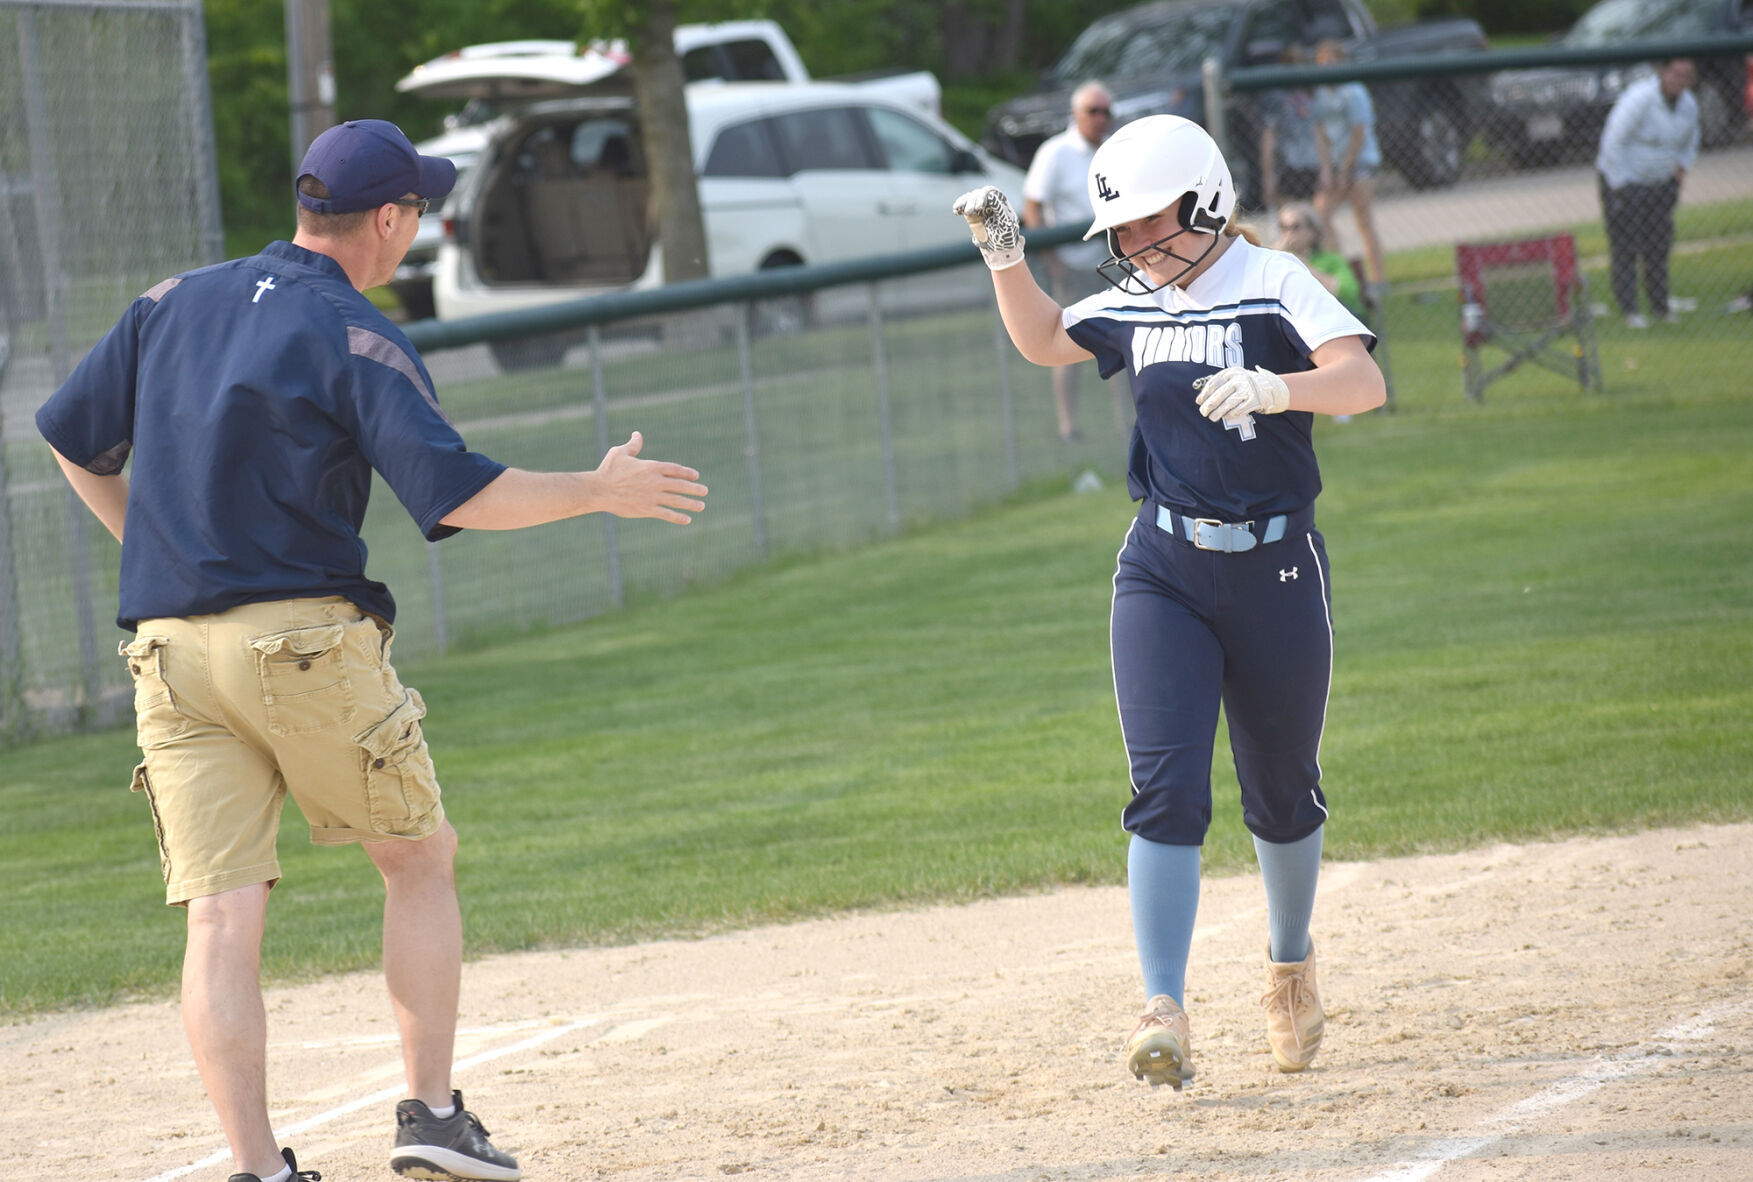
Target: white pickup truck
(494, 77)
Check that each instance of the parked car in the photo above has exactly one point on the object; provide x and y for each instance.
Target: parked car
(498, 77)
(1150, 57)
(1546, 115)
(556, 206)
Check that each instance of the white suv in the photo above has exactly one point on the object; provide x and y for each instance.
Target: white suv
(556, 206)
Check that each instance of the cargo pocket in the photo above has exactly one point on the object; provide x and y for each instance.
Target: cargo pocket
(304, 679)
(157, 720)
(141, 783)
(400, 784)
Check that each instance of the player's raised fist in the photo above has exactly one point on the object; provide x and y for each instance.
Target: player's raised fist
(994, 226)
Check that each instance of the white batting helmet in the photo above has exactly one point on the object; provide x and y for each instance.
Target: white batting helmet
(1150, 165)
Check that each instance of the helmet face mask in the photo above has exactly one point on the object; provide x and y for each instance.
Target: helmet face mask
(1150, 165)
(1127, 273)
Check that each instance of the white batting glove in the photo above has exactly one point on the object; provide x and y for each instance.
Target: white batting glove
(994, 226)
(1234, 392)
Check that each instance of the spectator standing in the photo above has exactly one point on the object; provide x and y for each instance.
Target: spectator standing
(1290, 161)
(1056, 193)
(256, 397)
(1649, 142)
(1350, 158)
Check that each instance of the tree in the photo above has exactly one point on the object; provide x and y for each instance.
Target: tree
(650, 30)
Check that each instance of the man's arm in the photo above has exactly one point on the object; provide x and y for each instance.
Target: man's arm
(106, 496)
(622, 484)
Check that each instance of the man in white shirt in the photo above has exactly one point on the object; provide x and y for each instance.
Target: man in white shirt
(1055, 193)
(1650, 140)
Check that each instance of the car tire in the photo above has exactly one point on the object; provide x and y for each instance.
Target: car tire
(1438, 144)
(527, 353)
(415, 296)
(782, 315)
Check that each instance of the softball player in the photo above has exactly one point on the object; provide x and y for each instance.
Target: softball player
(1221, 592)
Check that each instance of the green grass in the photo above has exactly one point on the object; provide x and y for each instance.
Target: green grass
(1542, 604)
(1542, 608)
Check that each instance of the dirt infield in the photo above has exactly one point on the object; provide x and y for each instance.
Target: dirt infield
(1555, 1011)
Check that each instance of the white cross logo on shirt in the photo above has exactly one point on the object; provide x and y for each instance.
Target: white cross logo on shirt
(1244, 424)
(266, 284)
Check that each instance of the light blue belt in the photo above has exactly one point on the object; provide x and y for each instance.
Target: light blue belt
(1231, 537)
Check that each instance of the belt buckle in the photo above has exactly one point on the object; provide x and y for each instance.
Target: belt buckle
(1226, 532)
(1217, 528)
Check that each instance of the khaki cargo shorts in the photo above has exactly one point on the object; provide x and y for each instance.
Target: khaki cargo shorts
(237, 709)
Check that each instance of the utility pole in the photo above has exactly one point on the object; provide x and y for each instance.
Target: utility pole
(310, 72)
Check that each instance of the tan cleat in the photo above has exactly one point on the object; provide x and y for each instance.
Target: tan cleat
(1160, 1049)
(1294, 1021)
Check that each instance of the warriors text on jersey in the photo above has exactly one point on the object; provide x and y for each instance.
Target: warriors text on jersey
(1255, 308)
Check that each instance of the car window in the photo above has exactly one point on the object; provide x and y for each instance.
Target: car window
(702, 63)
(1627, 20)
(745, 149)
(1280, 23)
(754, 61)
(909, 145)
(829, 138)
(1118, 48)
(1327, 18)
(742, 61)
(605, 144)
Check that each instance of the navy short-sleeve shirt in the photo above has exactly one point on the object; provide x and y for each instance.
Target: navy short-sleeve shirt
(1254, 308)
(256, 396)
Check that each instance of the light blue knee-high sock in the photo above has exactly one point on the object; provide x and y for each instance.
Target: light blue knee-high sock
(1290, 872)
(1163, 884)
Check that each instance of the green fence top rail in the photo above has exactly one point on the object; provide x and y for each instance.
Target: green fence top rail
(1437, 65)
(701, 293)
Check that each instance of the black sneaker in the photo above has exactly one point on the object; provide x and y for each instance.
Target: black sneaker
(297, 1174)
(453, 1150)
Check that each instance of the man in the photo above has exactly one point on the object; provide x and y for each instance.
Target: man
(1055, 193)
(257, 396)
(1648, 143)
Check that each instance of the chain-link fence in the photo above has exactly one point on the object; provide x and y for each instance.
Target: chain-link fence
(107, 184)
(1402, 161)
(830, 418)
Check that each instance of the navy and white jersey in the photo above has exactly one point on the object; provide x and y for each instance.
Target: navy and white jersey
(257, 396)
(1255, 308)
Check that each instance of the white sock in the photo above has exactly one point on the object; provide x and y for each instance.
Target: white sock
(445, 1113)
(283, 1174)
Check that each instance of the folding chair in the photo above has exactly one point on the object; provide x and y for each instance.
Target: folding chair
(1523, 298)
(1376, 322)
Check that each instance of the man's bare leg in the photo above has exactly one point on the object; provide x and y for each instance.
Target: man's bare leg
(226, 1023)
(423, 955)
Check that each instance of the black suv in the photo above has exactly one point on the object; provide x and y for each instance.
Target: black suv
(1150, 57)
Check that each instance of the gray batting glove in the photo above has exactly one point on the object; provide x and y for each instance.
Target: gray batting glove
(1234, 392)
(994, 226)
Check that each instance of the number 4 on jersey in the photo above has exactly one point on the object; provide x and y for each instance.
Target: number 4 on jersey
(1243, 424)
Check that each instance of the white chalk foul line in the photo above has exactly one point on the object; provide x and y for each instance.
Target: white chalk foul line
(395, 1093)
(1557, 1094)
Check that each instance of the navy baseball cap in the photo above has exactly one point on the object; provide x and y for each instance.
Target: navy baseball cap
(369, 162)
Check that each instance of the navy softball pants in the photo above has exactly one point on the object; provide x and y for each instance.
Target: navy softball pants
(1253, 629)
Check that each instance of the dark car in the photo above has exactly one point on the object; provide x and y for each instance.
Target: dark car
(1151, 56)
(1543, 116)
